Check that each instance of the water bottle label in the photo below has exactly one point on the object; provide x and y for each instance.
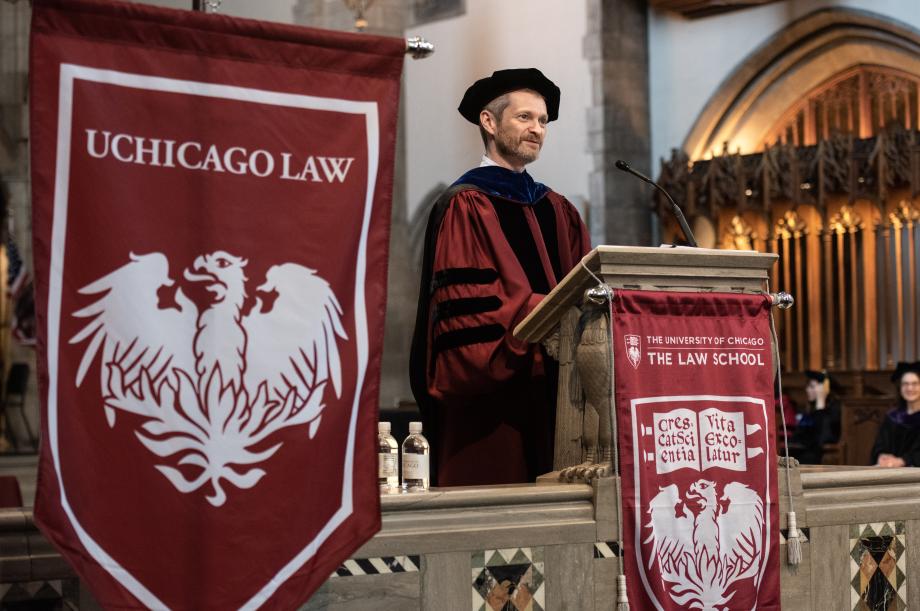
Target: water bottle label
(386, 465)
(415, 466)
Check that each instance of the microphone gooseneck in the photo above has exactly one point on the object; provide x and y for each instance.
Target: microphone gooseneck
(675, 209)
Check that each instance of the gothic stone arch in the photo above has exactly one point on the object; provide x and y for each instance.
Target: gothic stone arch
(799, 58)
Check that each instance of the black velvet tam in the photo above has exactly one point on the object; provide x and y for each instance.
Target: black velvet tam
(501, 82)
(905, 367)
(817, 376)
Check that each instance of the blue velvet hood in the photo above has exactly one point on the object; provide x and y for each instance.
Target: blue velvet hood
(496, 180)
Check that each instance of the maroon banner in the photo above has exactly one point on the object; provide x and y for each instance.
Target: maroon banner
(211, 221)
(694, 398)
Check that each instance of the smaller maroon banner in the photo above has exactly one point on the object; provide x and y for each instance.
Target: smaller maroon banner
(694, 398)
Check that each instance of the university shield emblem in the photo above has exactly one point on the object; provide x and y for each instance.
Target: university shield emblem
(212, 244)
(700, 468)
(633, 349)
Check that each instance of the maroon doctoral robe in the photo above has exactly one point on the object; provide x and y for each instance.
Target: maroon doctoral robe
(488, 399)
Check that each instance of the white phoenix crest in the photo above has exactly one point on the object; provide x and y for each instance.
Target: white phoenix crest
(703, 544)
(213, 385)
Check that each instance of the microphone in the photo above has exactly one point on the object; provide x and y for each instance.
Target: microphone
(675, 209)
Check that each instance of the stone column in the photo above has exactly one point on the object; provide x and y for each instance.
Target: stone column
(14, 121)
(616, 46)
(15, 183)
(389, 18)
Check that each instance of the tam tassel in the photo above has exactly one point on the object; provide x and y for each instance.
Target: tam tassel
(622, 599)
(793, 541)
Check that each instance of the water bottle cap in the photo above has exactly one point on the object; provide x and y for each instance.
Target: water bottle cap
(383, 427)
(415, 427)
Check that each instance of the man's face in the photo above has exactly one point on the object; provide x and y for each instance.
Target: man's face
(520, 131)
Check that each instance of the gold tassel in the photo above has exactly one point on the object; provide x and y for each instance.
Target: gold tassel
(622, 599)
(793, 541)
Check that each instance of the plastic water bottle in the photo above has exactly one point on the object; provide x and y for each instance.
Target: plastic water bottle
(415, 450)
(387, 459)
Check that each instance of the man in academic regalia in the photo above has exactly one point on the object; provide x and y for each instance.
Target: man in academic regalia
(497, 242)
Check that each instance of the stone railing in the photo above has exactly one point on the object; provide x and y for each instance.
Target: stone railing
(554, 543)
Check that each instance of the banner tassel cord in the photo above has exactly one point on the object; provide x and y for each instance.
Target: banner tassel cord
(793, 540)
(622, 600)
(622, 597)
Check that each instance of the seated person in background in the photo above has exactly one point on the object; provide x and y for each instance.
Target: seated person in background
(819, 423)
(898, 441)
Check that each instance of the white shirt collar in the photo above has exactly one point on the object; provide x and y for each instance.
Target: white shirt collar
(488, 161)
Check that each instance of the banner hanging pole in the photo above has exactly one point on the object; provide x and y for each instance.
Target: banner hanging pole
(782, 300)
(418, 47)
(206, 6)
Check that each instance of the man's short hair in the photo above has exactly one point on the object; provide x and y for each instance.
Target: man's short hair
(496, 107)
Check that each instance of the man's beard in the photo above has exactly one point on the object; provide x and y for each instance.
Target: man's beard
(515, 148)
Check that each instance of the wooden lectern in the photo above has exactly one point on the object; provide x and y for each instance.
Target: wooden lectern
(572, 324)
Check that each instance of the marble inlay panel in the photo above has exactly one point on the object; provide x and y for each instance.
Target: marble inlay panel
(508, 579)
(38, 595)
(607, 549)
(878, 566)
(378, 566)
(804, 534)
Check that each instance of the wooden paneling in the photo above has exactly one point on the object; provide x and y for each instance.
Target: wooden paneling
(816, 317)
(844, 218)
(870, 321)
(860, 420)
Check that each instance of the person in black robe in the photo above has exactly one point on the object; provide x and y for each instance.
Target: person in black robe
(898, 440)
(819, 423)
(496, 243)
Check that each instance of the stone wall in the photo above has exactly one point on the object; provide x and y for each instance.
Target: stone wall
(616, 46)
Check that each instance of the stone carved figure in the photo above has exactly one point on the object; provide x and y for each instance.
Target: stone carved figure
(583, 438)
